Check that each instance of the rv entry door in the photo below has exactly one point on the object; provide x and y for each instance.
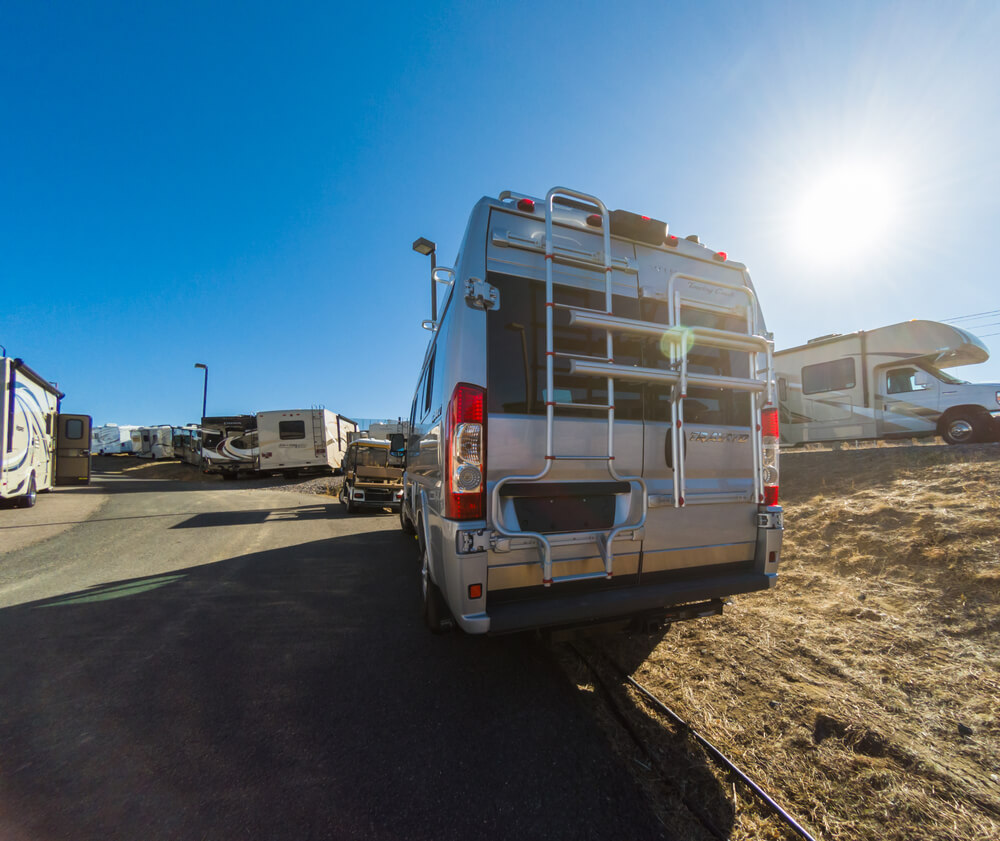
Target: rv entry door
(73, 450)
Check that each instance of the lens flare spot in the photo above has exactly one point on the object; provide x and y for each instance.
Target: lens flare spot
(676, 341)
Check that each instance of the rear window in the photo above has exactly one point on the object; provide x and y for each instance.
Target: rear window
(291, 430)
(516, 346)
(516, 364)
(74, 429)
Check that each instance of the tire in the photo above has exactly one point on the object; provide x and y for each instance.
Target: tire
(404, 521)
(437, 617)
(31, 495)
(345, 500)
(962, 428)
(228, 476)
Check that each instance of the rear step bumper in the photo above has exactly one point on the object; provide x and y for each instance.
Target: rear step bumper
(619, 603)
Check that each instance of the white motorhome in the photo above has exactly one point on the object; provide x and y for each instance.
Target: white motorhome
(886, 383)
(156, 442)
(39, 446)
(593, 436)
(297, 440)
(229, 444)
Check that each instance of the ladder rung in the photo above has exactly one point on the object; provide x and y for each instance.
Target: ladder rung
(578, 458)
(567, 355)
(604, 407)
(659, 375)
(581, 576)
(709, 336)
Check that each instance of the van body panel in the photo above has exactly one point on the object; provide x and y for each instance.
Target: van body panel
(709, 548)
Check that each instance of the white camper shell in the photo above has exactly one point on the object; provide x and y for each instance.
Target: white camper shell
(886, 383)
(39, 447)
(591, 439)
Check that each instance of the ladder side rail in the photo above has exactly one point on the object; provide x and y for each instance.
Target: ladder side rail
(679, 394)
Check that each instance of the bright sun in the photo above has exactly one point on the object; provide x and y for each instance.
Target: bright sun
(845, 212)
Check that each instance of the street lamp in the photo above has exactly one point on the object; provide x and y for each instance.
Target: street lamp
(204, 396)
(425, 247)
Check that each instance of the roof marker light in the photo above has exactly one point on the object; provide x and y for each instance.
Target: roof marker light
(595, 221)
(671, 241)
(526, 205)
(721, 256)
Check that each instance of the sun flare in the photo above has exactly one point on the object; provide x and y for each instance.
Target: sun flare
(844, 212)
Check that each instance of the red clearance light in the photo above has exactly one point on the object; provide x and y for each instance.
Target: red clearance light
(595, 221)
(527, 205)
(475, 591)
(769, 423)
(721, 256)
(671, 241)
(645, 218)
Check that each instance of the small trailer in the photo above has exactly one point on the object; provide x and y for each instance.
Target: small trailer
(886, 383)
(39, 446)
(297, 440)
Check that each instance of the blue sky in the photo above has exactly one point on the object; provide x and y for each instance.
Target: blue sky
(239, 183)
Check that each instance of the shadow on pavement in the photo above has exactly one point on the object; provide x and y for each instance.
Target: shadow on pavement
(292, 694)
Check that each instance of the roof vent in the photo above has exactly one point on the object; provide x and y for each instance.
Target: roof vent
(693, 238)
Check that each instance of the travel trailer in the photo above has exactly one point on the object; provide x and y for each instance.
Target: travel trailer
(593, 434)
(886, 383)
(111, 439)
(157, 442)
(288, 441)
(298, 440)
(39, 446)
(370, 478)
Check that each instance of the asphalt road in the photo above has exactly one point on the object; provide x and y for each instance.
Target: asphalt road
(214, 662)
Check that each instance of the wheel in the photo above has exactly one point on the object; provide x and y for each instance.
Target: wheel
(345, 500)
(962, 428)
(404, 521)
(28, 500)
(228, 476)
(437, 618)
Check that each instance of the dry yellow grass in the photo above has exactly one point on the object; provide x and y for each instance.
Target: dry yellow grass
(862, 692)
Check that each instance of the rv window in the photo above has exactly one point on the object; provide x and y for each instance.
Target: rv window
(782, 389)
(516, 352)
(428, 395)
(828, 376)
(74, 429)
(722, 407)
(48, 424)
(291, 430)
(902, 380)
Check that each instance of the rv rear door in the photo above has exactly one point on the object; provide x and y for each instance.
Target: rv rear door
(73, 450)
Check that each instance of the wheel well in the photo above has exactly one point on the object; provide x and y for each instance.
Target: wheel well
(970, 410)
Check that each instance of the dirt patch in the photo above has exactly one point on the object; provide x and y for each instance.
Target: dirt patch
(862, 691)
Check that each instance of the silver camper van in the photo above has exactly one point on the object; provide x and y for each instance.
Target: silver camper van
(594, 435)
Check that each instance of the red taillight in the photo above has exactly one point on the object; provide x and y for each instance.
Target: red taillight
(769, 455)
(769, 423)
(526, 205)
(465, 441)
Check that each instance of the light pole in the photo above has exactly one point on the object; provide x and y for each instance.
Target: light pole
(425, 247)
(204, 395)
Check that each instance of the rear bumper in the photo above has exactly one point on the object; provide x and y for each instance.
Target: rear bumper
(620, 603)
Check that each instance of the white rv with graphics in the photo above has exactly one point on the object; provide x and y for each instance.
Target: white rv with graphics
(111, 439)
(39, 447)
(229, 445)
(886, 383)
(297, 440)
(593, 437)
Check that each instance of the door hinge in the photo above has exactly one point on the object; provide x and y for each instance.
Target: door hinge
(482, 295)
